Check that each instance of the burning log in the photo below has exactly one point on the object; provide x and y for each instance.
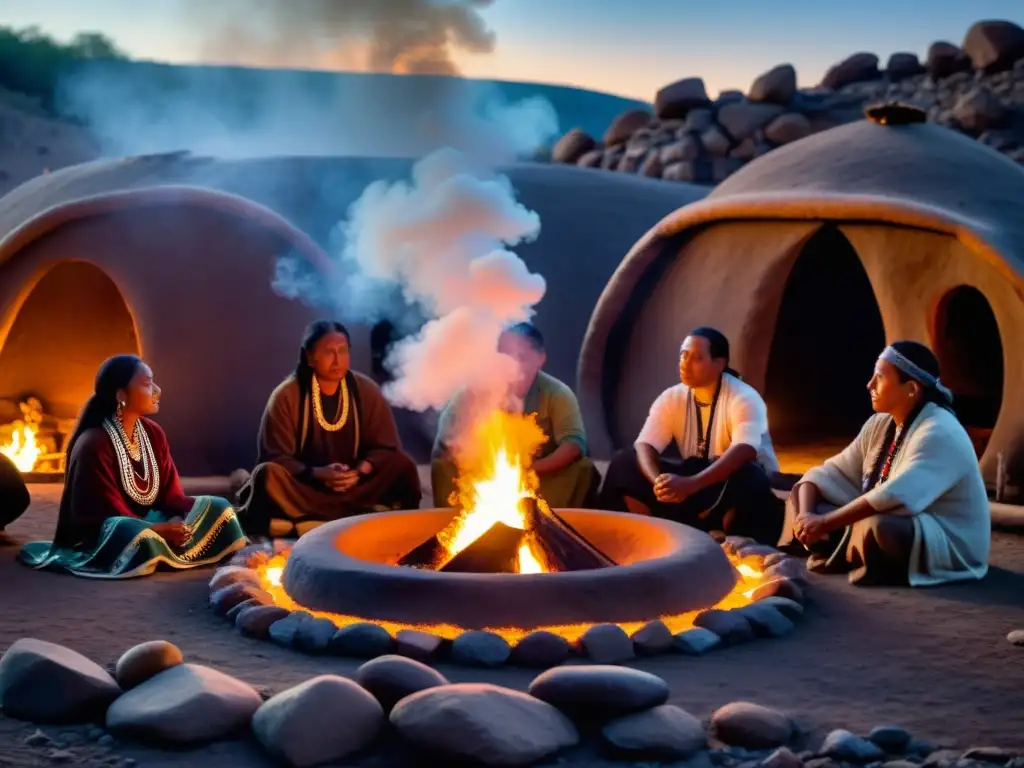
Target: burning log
(496, 551)
(429, 555)
(558, 545)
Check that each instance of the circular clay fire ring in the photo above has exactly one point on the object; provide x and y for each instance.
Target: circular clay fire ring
(345, 567)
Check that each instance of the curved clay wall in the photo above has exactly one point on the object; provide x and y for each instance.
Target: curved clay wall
(199, 285)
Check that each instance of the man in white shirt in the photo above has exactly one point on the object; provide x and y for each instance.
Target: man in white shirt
(719, 425)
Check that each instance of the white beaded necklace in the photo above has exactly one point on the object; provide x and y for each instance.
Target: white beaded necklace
(123, 449)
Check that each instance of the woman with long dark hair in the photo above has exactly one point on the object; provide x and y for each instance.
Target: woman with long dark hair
(905, 502)
(328, 445)
(123, 511)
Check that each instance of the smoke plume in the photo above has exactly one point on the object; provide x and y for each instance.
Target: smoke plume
(442, 239)
(393, 36)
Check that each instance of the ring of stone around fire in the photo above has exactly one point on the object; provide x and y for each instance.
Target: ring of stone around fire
(665, 569)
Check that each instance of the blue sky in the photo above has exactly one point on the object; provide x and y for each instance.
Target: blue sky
(630, 48)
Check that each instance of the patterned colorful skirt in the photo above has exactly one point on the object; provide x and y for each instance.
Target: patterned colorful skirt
(127, 547)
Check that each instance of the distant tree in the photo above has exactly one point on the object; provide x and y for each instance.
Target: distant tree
(32, 62)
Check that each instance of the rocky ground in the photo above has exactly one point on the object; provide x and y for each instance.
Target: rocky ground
(976, 88)
(936, 662)
(31, 145)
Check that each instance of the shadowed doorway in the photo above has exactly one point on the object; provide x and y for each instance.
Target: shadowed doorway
(967, 342)
(828, 335)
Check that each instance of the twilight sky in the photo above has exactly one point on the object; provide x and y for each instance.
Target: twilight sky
(629, 48)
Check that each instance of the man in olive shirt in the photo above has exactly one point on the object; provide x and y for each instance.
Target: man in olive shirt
(567, 476)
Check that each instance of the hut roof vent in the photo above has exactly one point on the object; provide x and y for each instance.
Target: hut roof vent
(895, 113)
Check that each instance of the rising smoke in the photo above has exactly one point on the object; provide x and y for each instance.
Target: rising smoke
(442, 239)
(393, 36)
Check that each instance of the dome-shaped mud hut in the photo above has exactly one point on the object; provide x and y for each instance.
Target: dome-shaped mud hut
(173, 256)
(810, 259)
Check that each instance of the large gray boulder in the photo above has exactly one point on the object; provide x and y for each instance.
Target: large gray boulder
(44, 682)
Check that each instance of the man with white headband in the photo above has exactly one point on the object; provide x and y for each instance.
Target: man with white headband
(905, 502)
(719, 424)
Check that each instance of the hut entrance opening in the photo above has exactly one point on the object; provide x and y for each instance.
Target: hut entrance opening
(72, 320)
(966, 339)
(828, 335)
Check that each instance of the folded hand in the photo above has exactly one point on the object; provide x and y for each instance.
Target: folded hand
(810, 528)
(673, 489)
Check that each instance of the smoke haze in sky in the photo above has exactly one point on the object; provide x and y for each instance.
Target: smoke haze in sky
(395, 36)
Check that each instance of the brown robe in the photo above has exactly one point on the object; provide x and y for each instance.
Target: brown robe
(292, 444)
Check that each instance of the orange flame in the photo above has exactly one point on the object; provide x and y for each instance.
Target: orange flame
(494, 478)
(22, 448)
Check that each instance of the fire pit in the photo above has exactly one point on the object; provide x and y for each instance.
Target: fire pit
(350, 568)
(502, 567)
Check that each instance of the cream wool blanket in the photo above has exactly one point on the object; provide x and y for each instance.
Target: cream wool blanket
(934, 479)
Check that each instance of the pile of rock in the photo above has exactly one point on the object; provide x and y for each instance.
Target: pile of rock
(236, 593)
(155, 697)
(977, 88)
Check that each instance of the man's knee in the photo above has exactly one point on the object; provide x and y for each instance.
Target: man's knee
(753, 476)
(405, 465)
(624, 464)
(890, 532)
(266, 473)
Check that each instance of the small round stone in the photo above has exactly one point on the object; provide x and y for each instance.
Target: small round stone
(780, 587)
(233, 574)
(1016, 637)
(731, 626)
(421, 646)
(845, 746)
(891, 738)
(482, 724)
(391, 678)
(255, 621)
(652, 638)
(226, 598)
(232, 615)
(302, 727)
(480, 649)
(541, 650)
(607, 644)
(315, 635)
(285, 631)
(361, 641)
(696, 641)
(744, 724)
(144, 661)
(600, 690)
(666, 731)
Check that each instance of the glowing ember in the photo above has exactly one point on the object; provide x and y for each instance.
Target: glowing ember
(272, 574)
(748, 572)
(22, 448)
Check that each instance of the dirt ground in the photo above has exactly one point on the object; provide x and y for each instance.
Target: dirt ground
(934, 661)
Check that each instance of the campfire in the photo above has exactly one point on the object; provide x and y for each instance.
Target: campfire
(504, 527)
(34, 441)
